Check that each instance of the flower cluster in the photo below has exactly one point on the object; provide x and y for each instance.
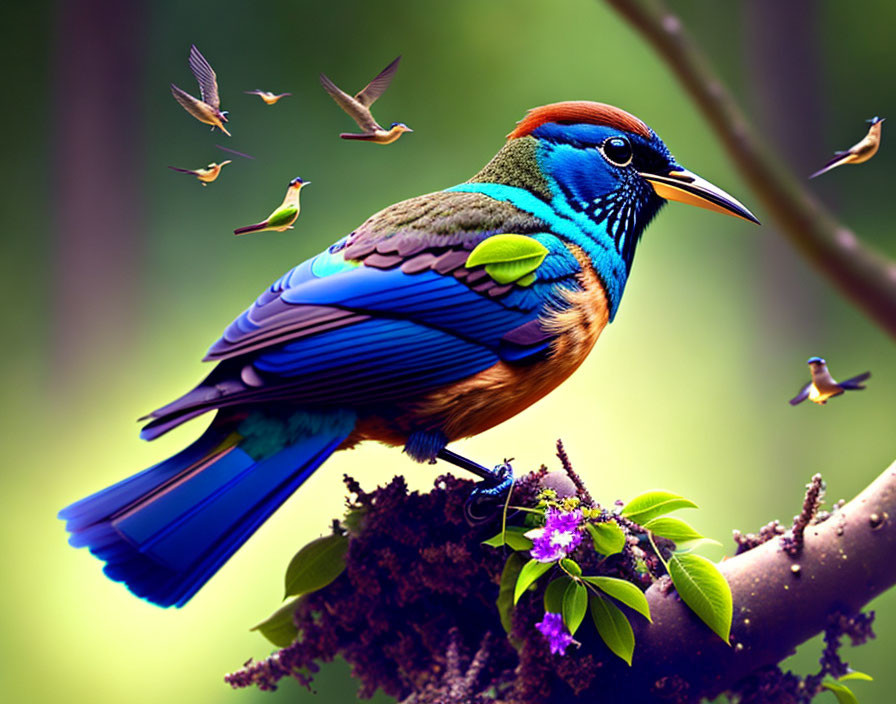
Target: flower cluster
(559, 537)
(558, 637)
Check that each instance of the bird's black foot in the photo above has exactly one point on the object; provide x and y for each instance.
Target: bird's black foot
(487, 498)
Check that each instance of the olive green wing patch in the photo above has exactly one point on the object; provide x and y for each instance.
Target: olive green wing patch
(509, 258)
(283, 216)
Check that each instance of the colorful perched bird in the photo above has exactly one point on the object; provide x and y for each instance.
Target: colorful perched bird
(358, 107)
(206, 175)
(284, 215)
(860, 152)
(436, 319)
(822, 387)
(266, 95)
(207, 110)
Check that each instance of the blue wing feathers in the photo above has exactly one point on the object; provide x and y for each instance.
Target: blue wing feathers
(103, 503)
(308, 332)
(192, 515)
(855, 383)
(345, 334)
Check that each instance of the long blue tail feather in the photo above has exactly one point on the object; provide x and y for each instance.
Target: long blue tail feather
(165, 531)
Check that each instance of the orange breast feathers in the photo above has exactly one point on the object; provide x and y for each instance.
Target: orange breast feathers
(480, 402)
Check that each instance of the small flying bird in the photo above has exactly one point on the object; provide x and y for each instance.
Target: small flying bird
(860, 152)
(266, 95)
(207, 110)
(358, 107)
(822, 387)
(206, 175)
(283, 216)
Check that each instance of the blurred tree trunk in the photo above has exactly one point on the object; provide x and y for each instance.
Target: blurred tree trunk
(782, 61)
(783, 56)
(96, 202)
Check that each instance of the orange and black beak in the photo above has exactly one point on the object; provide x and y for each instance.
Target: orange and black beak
(687, 187)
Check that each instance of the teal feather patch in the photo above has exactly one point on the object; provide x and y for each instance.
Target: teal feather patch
(264, 435)
(328, 263)
(508, 258)
(576, 228)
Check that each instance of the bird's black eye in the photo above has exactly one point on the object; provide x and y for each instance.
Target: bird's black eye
(617, 150)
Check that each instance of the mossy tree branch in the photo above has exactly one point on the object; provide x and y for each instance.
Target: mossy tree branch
(865, 276)
(451, 647)
(780, 601)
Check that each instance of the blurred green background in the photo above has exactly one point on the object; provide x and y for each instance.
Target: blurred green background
(118, 273)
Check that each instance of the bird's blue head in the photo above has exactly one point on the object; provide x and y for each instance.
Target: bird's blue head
(609, 174)
(815, 360)
(401, 127)
(874, 120)
(298, 183)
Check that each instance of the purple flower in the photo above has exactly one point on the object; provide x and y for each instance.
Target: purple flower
(552, 628)
(559, 537)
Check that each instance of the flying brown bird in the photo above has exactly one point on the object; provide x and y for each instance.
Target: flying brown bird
(358, 107)
(206, 175)
(266, 95)
(822, 387)
(207, 110)
(859, 152)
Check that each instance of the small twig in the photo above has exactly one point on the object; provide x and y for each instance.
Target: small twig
(793, 543)
(457, 685)
(865, 276)
(581, 489)
(477, 664)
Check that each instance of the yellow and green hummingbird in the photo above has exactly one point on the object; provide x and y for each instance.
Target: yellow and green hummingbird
(284, 215)
(358, 107)
(266, 95)
(207, 110)
(823, 387)
(859, 152)
(206, 175)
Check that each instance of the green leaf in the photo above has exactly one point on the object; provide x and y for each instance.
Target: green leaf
(354, 519)
(624, 591)
(652, 504)
(531, 571)
(575, 606)
(842, 692)
(279, 627)
(505, 600)
(856, 675)
(508, 257)
(571, 566)
(613, 627)
(553, 595)
(703, 588)
(316, 565)
(512, 537)
(674, 529)
(608, 538)
(527, 280)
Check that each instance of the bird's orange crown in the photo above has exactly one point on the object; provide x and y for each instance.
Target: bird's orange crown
(577, 112)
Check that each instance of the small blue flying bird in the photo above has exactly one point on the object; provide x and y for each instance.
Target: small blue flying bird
(436, 319)
(822, 387)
